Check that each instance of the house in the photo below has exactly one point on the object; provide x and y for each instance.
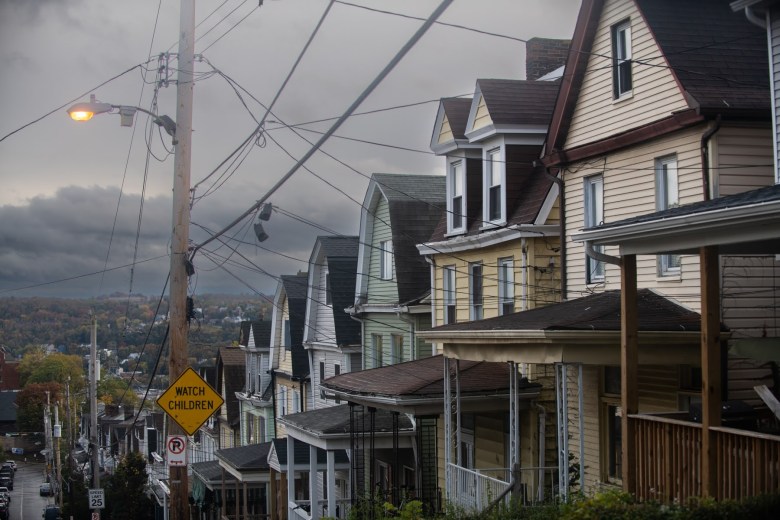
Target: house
(9, 371)
(495, 252)
(660, 124)
(256, 401)
(333, 344)
(290, 361)
(231, 374)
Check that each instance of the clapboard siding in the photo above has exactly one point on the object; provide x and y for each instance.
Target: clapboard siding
(324, 325)
(331, 359)
(744, 159)
(445, 133)
(380, 291)
(489, 442)
(482, 117)
(655, 92)
(750, 291)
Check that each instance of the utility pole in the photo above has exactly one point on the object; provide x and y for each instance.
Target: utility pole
(177, 360)
(93, 438)
(57, 436)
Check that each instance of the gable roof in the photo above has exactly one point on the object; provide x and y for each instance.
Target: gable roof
(296, 287)
(709, 58)
(231, 371)
(513, 103)
(455, 112)
(341, 255)
(416, 204)
(260, 331)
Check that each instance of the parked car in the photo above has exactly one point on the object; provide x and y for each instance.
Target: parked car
(51, 512)
(7, 482)
(4, 507)
(46, 490)
(11, 463)
(5, 493)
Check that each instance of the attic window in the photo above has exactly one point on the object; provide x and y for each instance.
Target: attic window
(621, 59)
(386, 265)
(455, 197)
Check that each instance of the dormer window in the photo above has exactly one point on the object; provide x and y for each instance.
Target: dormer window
(456, 201)
(494, 187)
(621, 59)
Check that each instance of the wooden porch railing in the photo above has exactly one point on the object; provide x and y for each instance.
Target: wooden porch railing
(669, 460)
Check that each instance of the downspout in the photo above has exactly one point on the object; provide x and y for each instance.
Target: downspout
(524, 275)
(754, 18)
(542, 434)
(599, 256)
(562, 198)
(705, 156)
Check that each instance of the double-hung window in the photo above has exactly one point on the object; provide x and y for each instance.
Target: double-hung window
(594, 216)
(621, 59)
(282, 401)
(386, 263)
(376, 345)
(506, 286)
(667, 196)
(476, 291)
(494, 186)
(448, 288)
(397, 341)
(328, 299)
(456, 212)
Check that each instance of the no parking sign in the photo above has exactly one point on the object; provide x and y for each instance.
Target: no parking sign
(177, 450)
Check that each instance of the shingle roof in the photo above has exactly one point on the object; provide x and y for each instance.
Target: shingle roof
(335, 420)
(720, 58)
(341, 255)
(514, 101)
(296, 287)
(338, 246)
(261, 331)
(247, 458)
(423, 378)
(457, 112)
(416, 204)
(211, 471)
(301, 453)
(596, 312)
(231, 367)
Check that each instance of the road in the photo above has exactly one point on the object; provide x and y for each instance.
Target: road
(26, 501)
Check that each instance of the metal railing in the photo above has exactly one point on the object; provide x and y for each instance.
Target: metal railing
(475, 489)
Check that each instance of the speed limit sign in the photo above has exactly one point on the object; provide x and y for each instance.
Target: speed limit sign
(96, 499)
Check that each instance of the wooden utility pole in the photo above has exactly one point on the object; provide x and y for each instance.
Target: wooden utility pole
(93, 436)
(177, 360)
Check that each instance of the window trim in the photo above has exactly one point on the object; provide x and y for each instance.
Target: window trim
(506, 285)
(397, 348)
(494, 158)
(377, 349)
(595, 271)
(476, 291)
(450, 299)
(454, 182)
(386, 260)
(665, 169)
(621, 60)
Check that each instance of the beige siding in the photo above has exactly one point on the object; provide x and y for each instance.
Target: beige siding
(482, 117)
(542, 280)
(750, 292)
(629, 190)
(743, 160)
(655, 92)
(445, 132)
(489, 442)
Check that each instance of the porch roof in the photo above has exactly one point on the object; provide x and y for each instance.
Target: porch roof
(244, 458)
(418, 386)
(668, 332)
(210, 473)
(277, 457)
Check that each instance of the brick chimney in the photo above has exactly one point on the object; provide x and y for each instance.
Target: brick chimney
(543, 55)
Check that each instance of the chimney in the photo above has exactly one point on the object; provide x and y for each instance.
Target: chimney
(544, 55)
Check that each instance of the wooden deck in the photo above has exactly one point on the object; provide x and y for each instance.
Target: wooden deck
(669, 460)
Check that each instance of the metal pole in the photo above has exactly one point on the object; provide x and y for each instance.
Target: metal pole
(177, 361)
(93, 438)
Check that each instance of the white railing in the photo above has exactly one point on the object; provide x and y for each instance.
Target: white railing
(474, 490)
(301, 509)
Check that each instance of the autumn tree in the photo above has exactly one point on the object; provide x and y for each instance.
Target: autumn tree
(112, 390)
(37, 366)
(31, 402)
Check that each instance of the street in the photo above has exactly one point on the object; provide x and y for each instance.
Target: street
(26, 502)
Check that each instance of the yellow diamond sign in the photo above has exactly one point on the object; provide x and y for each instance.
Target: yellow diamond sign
(190, 401)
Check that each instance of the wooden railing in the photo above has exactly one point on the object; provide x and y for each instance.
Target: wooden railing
(748, 463)
(669, 460)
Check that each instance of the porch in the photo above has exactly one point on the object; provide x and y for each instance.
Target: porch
(477, 489)
(669, 460)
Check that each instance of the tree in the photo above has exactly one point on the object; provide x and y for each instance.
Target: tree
(38, 367)
(126, 492)
(31, 402)
(112, 390)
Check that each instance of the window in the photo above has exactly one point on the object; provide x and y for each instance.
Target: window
(614, 443)
(621, 59)
(494, 189)
(337, 371)
(328, 299)
(296, 401)
(448, 274)
(667, 196)
(286, 337)
(475, 293)
(282, 401)
(455, 187)
(397, 341)
(506, 286)
(376, 346)
(322, 371)
(386, 262)
(594, 216)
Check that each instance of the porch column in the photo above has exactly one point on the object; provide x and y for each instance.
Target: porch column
(237, 504)
(290, 475)
(314, 499)
(331, 476)
(710, 367)
(246, 500)
(272, 485)
(629, 396)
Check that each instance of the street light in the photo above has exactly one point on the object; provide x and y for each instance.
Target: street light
(85, 111)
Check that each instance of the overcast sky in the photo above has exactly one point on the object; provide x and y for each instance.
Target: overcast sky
(71, 193)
